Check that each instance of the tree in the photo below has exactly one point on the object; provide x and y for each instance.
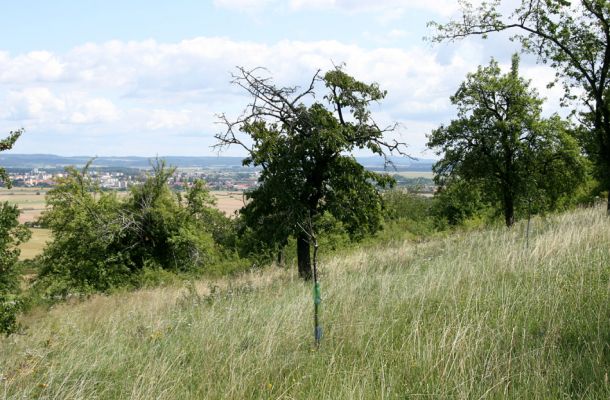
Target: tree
(574, 37)
(303, 149)
(501, 142)
(101, 242)
(12, 234)
(6, 144)
(85, 254)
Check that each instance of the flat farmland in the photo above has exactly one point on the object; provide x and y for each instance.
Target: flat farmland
(31, 202)
(416, 174)
(229, 202)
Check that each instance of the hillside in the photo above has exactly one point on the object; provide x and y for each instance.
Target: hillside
(474, 315)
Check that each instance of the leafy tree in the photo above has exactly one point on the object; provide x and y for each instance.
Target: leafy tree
(102, 242)
(501, 142)
(6, 144)
(574, 37)
(12, 233)
(166, 230)
(302, 150)
(85, 255)
(457, 201)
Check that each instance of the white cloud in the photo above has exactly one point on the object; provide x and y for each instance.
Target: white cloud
(33, 103)
(141, 88)
(35, 66)
(97, 110)
(167, 119)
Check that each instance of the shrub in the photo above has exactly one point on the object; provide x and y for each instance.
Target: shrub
(11, 235)
(102, 242)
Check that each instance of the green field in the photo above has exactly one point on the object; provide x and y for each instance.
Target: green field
(472, 316)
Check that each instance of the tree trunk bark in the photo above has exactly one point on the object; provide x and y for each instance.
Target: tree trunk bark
(303, 256)
(509, 210)
(280, 256)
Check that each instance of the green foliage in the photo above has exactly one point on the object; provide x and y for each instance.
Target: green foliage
(83, 256)
(502, 145)
(459, 201)
(571, 36)
(6, 144)
(12, 233)
(101, 242)
(411, 211)
(306, 170)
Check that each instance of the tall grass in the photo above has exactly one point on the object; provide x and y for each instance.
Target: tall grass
(471, 316)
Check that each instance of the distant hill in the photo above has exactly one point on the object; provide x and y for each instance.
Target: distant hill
(54, 161)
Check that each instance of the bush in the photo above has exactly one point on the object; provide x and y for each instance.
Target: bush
(411, 211)
(11, 235)
(102, 242)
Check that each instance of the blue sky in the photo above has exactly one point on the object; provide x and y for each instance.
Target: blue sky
(149, 77)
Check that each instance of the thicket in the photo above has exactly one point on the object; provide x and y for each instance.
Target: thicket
(102, 242)
(11, 235)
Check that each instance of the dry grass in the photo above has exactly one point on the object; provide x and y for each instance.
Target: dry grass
(471, 316)
(36, 244)
(229, 202)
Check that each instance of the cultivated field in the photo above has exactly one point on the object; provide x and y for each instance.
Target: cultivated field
(472, 316)
(416, 174)
(31, 202)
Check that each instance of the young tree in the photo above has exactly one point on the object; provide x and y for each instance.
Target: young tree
(12, 233)
(574, 37)
(501, 142)
(302, 150)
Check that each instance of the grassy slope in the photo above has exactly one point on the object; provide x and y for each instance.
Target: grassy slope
(471, 316)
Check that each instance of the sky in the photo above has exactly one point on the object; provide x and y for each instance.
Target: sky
(146, 78)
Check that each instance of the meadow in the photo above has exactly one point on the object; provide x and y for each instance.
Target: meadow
(473, 315)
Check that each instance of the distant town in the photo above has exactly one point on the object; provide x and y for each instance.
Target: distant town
(220, 173)
(123, 178)
(223, 179)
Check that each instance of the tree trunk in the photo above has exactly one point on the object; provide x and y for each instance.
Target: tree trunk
(509, 210)
(303, 256)
(280, 256)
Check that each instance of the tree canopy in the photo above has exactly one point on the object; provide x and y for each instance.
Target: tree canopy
(303, 146)
(6, 144)
(101, 241)
(574, 38)
(500, 141)
(12, 233)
